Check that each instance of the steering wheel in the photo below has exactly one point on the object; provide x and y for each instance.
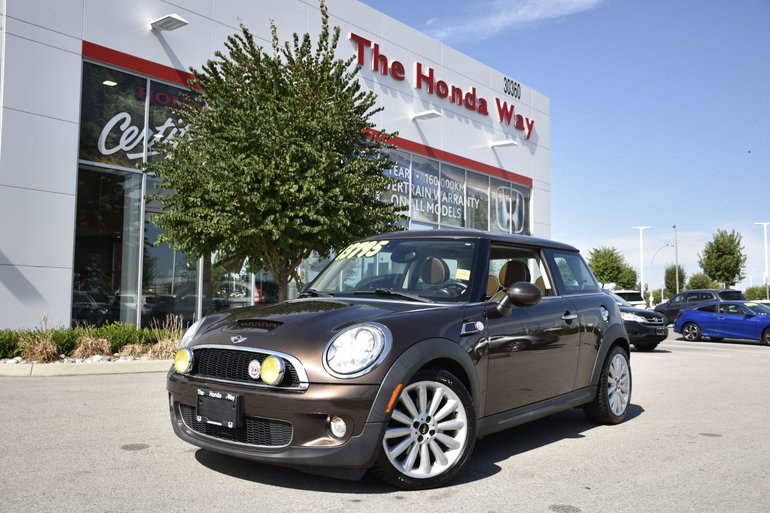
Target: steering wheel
(451, 288)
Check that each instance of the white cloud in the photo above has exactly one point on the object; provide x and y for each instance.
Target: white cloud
(501, 15)
(431, 21)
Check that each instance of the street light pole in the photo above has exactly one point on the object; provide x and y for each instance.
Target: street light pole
(664, 274)
(764, 225)
(641, 255)
(676, 259)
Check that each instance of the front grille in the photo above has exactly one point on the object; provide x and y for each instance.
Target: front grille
(257, 324)
(653, 320)
(233, 365)
(254, 431)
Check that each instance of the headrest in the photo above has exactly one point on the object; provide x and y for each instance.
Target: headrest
(434, 271)
(513, 271)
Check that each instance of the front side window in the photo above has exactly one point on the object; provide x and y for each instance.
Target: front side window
(508, 265)
(572, 274)
(733, 309)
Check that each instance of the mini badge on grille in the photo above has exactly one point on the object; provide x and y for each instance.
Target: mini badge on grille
(237, 339)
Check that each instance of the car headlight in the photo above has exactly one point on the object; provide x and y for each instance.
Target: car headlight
(190, 333)
(183, 360)
(357, 350)
(627, 316)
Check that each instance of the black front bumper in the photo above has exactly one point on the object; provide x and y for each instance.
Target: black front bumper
(649, 333)
(307, 445)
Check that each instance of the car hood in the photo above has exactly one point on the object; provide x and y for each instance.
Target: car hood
(643, 312)
(302, 328)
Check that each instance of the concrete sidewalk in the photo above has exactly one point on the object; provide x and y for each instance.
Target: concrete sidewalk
(83, 369)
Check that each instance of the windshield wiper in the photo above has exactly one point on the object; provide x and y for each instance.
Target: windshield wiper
(394, 293)
(316, 293)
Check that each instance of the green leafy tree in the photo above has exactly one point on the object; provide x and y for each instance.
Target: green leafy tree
(701, 281)
(609, 266)
(755, 292)
(723, 260)
(627, 279)
(277, 158)
(670, 277)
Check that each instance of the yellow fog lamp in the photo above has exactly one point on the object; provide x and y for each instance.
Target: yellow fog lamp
(183, 360)
(273, 370)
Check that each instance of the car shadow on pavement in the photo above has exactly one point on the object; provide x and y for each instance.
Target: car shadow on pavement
(527, 437)
(482, 464)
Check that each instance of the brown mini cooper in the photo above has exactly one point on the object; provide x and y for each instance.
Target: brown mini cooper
(406, 348)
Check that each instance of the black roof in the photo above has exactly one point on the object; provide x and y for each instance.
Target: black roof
(473, 234)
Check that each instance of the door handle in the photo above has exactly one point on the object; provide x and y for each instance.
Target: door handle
(569, 317)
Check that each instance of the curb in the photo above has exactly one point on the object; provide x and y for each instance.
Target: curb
(83, 369)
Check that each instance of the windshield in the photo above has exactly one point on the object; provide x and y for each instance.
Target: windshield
(619, 300)
(760, 308)
(432, 269)
(631, 296)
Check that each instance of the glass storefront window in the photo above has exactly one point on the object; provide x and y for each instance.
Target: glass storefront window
(452, 191)
(169, 279)
(112, 117)
(398, 192)
(106, 247)
(425, 200)
(165, 119)
(477, 201)
(501, 206)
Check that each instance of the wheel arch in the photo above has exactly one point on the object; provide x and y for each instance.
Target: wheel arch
(430, 353)
(615, 336)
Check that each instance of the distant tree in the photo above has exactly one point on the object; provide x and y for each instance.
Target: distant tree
(755, 292)
(276, 159)
(723, 260)
(627, 279)
(670, 277)
(609, 266)
(701, 281)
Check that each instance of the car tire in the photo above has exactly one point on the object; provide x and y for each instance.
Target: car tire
(431, 433)
(613, 394)
(691, 332)
(766, 337)
(646, 346)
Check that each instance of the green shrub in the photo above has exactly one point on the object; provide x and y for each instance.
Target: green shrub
(118, 333)
(9, 340)
(66, 339)
(755, 292)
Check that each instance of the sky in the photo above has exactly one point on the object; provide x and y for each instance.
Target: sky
(660, 114)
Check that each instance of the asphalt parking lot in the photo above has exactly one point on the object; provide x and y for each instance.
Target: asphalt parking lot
(695, 441)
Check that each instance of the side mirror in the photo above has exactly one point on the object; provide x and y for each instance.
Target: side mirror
(521, 293)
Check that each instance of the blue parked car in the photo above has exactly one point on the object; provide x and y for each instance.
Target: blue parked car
(725, 319)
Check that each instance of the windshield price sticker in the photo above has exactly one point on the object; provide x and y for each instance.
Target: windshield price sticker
(463, 274)
(363, 249)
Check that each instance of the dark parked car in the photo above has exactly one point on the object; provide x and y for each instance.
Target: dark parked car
(726, 319)
(645, 329)
(403, 351)
(695, 297)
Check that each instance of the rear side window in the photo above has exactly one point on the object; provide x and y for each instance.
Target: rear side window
(571, 273)
(732, 295)
(708, 308)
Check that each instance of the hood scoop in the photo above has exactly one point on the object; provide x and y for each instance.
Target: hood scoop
(257, 324)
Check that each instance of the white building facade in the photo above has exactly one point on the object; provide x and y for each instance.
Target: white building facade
(87, 88)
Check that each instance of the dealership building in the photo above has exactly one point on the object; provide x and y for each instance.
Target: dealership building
(87, 88)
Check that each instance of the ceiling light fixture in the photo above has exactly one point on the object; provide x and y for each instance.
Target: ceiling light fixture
(168, 22)
(426, 114)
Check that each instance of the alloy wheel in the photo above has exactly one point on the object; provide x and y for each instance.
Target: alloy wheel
(428, 431)
(619, 384)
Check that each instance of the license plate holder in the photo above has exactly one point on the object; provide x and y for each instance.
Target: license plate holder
(662, 331)
(219, 408)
